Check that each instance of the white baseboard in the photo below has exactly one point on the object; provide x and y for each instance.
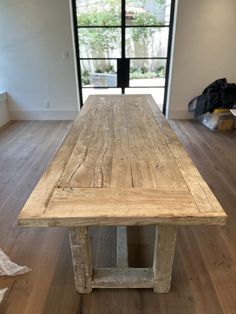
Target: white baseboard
(180, 115)
(43, 115)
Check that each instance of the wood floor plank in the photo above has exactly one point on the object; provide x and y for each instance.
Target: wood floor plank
(198, 275)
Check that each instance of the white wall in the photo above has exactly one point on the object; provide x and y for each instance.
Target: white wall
(36, 59)
(204, 50)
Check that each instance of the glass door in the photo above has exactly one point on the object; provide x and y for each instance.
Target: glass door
(146, 45)
(123, 46)
(99, 46)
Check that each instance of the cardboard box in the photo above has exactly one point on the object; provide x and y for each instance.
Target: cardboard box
(219, 120)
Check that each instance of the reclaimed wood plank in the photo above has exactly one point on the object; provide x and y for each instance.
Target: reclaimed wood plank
(164, 251)
(37, 203)
(115, 206)
(152, 162)
(81, 257)
(202, 194)
(122, 247)
(123, 278)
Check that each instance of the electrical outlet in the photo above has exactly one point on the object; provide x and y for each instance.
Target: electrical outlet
(46, 104)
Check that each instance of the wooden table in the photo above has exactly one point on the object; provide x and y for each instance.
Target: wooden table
(121, 165)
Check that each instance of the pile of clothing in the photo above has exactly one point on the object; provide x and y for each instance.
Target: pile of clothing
(219, 94)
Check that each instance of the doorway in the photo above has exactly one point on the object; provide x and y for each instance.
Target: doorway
(123, 46)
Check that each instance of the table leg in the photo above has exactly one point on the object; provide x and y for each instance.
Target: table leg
(81, 256)
(164, 251)
(122, 258)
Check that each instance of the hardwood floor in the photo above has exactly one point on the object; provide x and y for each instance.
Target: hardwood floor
(204, 278)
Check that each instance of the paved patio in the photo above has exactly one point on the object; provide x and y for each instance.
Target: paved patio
(156, 92)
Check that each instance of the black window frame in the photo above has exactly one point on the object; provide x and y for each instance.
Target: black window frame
(123, 28)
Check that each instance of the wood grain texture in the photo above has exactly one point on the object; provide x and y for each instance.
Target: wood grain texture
(121, 142)
(205, 258)
(164, 252)
(112, 206)
(122, 256)
(37, 203)
(203, 196)
(123, 278)
(81, 257)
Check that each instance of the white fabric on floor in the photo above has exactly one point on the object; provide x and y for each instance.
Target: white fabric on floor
(9, 268)
(2, 292)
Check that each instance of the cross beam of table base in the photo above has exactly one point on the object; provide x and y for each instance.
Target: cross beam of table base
(158, 277)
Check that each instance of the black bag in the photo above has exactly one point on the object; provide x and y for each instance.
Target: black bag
(219, 94)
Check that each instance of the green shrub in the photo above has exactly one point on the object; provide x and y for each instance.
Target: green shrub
(139, 74)
(85, 77)
(99, 40)
(161, 71)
